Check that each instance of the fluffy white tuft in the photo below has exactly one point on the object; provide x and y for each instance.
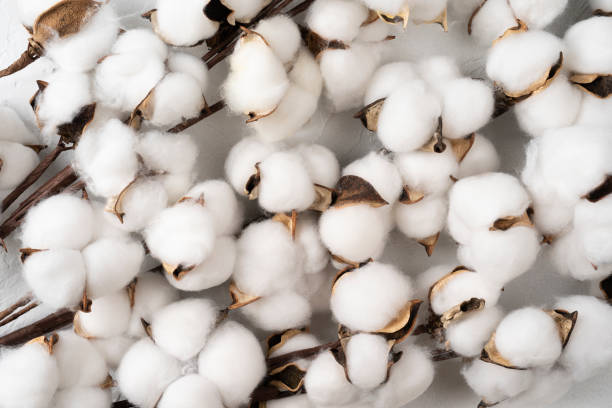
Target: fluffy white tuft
(321, 163)
(495, 383)
(367, 357)
(241, 160)
(152, 293)
(13, 128)
(462, 287)
(183, 24)
(336, 19)
(481, 158)
(326, 382)
(469, 335)
(109, 316)
(427, 172)
(75, 397)
(380, 172)
(282, 34)
(537, 14)
(190, 65)
(176, 97)
(79, 362)
(221, 201)
(422, 219)
(17, 162)
(279, 311)
(191, 391)
(585, 55)
(467, 106)
(387, 78)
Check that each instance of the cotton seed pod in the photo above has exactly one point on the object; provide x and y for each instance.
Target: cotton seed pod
(191, 390)
(186, 25)
(241, 160)
(109, 316)
(490, 20)
(94, 397)
(482, 157)
(326, 382)
(367, 358)
(469, 334)
(494, 383)
(220, 200)
(78, 361)
(279, 311)
(150, 294)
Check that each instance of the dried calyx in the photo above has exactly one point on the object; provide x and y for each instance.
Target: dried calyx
(318, 44)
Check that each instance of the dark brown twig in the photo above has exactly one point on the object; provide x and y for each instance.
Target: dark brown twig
(299, 354)
(18, 314)
(442, 355)
(300, 8)
(19, 303)
(122, 404)
(206, 112)
(45, 325)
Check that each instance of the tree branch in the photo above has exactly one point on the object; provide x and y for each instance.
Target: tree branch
(47, 324)
(19, 303)
(206, 112)
(18, 314)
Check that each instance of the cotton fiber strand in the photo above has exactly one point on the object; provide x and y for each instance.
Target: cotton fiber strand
(109, 316)
(461, 287)
(241, 160)
(336, 19)
(321, 164)
(280, 311)
(467, 106)
(79, 362)
(153, 293)
(13, 128)
(496, 383)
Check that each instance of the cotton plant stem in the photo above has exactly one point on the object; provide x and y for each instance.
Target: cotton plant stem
(18, 314)
(54, 321)
(283, 359)
(122, 404)
(206, 112)
(19, 303)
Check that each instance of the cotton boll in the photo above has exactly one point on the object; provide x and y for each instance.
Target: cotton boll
(29, 10)
(314, 255)
(190, 391)
(491, 21)
(93, 397)
(496, 383)
(282, 34)
(321, 163)
(481, 158)
(17, 162)
(427, 172)
(57, 276)
(113, 348)
(537, 14)
(185, 25)
(13, 128)
(391, 7)
(589, 347)
(267, 259)
(306, 74)
(569, 258)
(430, 276)
(522, 59)
(237, 350)
(462, 287)
(280, 311)
(422, 219)
(176, 97)
(109, 316)
(408, 117)
(190, 65)
(336, 19)
(437, 71)
(380, 172)
(168, 152)
(548, 387)
(326, 382)
(367, 356)
(29, 377)
(387, 78)
(245, 10)
(383, 291)
(468, 335)
(47, 227)
(241, 160)
(140, 40)
(588, 46)
(595, 111)
(221, 201)
(594, 226)
(408, 378)
(78, 361)
(467, 106)
(152, 293)
(142, 201)
(552, 217)
(145, 372)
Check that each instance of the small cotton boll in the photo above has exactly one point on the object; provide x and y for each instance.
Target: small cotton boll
(142, 201)
(380, 172)
(241, 160)
(315, 256)
(528, 337)
(321, 163)
(367, 356)
(467, 106)
(152, 293)
(279, 311)
(29, 10)
(588, 46)
(145, 372)
(422, 219)
(387, 78)
(56, 276)
(481, 158)
(237, 351)
(109, 316)
(78, 361)
(437, 71)
(29, 377)
(336, 19)
(595, 111)
(140, 40)
(17, 162)
(383, 291)
(569, 258)
(46, 226)
(326, 382)
(491, 21)
(537, 14)
(462, 287)
(468, 335)
(168, 152)
(496, 383)
(13, 128)
(221, 201)
(285, 183)
(190, 65)
(176, 97)
(282, 34)
(427, 172)
(191, 391)
(184, 24)
(92, 397)
(520, 60)
(589, 347)
(113, 348)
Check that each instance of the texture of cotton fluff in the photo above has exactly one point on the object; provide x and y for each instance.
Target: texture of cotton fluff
(590, 345)
(314, 286)
(140, 40)
(588, 46)
(31, 9)
(438, 71)
(142, 201)
(495, 383)
(17, 162)
(383, 291)
(408, 378)
(234, 362)
(427, 172)
(468, 335)
(29, 377)
(422, 219)
(245, 10)
(267, 259)
(528, 337)
(314, 255)
(467, 106)
(152, 293)
(326, 382)
(176, 97)
(279, 311)
(109, 316)
(462, 287)
(56, 276)
(391, 7)
(604, 5)
(105, 157)
(305, 73)
(46, 226)
(481, 158)
(367, 356)
(282, 34)
(595, 111)
(167, 152)
(181, 235)
(297, 401)
(522, 59)
(427, 278)
(593, 222)
(241, 160)
(93, 397)
(145, 372)
(191, 391)
(321, 163)
(569, 258)
(408, 117)
(113, 348)
(220, 200)
(13, 128)
(81, 51)
(537, 14)
(190, 65)
(336, 19)
(387, 78)
(380, 172)
(491, 21)
(79, 362)
(184, 25)
(548, 387)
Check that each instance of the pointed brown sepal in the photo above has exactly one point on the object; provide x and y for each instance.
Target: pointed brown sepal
(490, 354)
(255, 116)
(442, 20)
(71, 132)
(278, 340)
(239, 298)
(26, 252)
(107, 383)
(402, 17)
(520, 27)
(505, 223)
(429, 243)
(289, 221)
(42, 85)
(317, 44)
(436, 144)
(565, 322)
(147, 328)
(289, 378)
(85, 303)
(143, 111)
(370, 113)
(25, 59)
(485, 404)
(445, 279)
(594, 84)
(47, 341)
(324, 196)
(251, 188)
(462, 146)
(345, 261)
(177, 271)
(131, 291)
(601, 191)
(78, 328)
(459, 311)
(606, 287)
(410, 196)
(401, 326)
(147, 15)
(353, 190)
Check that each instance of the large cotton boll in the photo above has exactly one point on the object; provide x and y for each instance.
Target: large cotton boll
(314, 254)
(237, 351)
(113, 348)
(245, 10)
(495, 383)
(427, 172)
(590, 345)
(29, 377)
(422, 219)
(408, 117)
(152, 293)
(168, 152)
(190, 65)
(279, 311)
(241, 160)
(595, 111)
(462, 287)
(569, 258)
(367, 356)
(267, 259)
(537, 14)
(326, 382)
(29, 10)
(93, 397)
(142, 201)
(145, 372)
(437, 71)
(355, 233)
(191, 391)
(467, 106)
(588, 46)
(468, 335)
(184, 24)
(528, 337)
(321, 163)
(481, 158)
(522, 59)
(47, 227)
(282, 34)
(56, 276)
(336, 19)
(382, 291)
(387, 78)
(380, 172)
(221, 201)
(593, 223)
(408, 378)
(13, 128)
(78, 361)
(491, 21)
(140, 40)
(109, 316)
(17, 162)
(176, 97)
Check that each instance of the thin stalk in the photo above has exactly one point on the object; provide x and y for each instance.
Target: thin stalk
(19, 303)
(18, 314)
(206, 112)
(283, 359)
(47, 324)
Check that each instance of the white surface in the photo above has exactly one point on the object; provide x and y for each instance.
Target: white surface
(345, 136)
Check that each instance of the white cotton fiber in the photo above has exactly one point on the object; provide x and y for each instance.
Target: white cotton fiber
(168, 152)
(569, 258)
(17, 162)
(29, 10)
(495, 383)
(191, 391)
(468, 335)
(522, 59)
(409, 117)
(408, 378)
(221, 201)
(314, 254)
(234, 362)
(142, 201)
(267, 259)
(113, 348)
(427, 172)
(282, 34)
(140, 40)
(152, 293)
(370, 297)
(528, 337)
(326, 382)
(491, 21)
(241, 160)
(245, 10)
(367, 356)
(299, 341)
(183, 24)
(13, 128)
(190, 65)
(387, 78)
(321, 163)
(176, 97)
(595, 111)
(181, 235)
(336, 19)
(109, 316)
(56, 276)
(29, 377)
(438, 71)
(549, 386)
(145, 372)
(306, 74)
(588, 46)
(279, 311)
(590, 345)
(78, 361)
(380, 172)
(182, 328)
(537, 14)
(462, 287)
(391, 7)
(285, 183)
(422, 219)
(375, 31)
(47, 227)
(467, 106)
(94, 397)
(593, 223)
(427, 278)
(481, 158)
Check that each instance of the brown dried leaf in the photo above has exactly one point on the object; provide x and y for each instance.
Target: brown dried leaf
(47, 341)
(353, 190)
(289, 221)
(485, 404)
(595, 84)
(239, 298)
(462, 146)
(401, 326)
(429, 243)
(461, 310)
(370, 113)
(324, 196)
(565, 322)
(317, 44)
(278, 340)
(600, 191)
(289, 378)
(251, 188)
(131, 291)
(71, 132)
(490, 354)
